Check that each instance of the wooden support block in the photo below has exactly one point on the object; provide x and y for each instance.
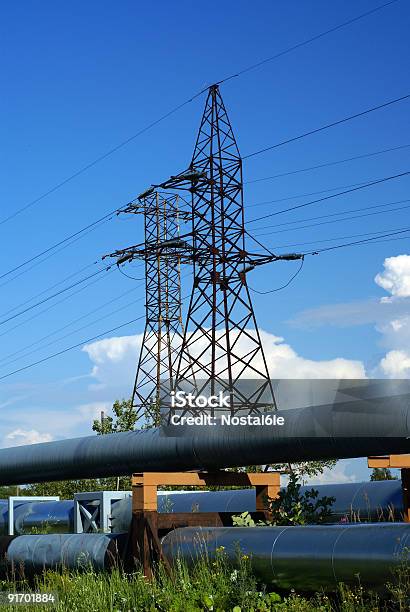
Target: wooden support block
(401, 462)
(378, 462)
(389, 461)
(204, 479)
(145, 485)
(405, 485)
(147, 524)
(144, 497)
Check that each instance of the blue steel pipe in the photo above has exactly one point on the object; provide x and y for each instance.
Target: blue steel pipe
(35, 553)
(354, 502)
(343, 430)
(305, 558)
(364, 501)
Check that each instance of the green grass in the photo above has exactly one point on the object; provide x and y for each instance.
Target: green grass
(209, 585)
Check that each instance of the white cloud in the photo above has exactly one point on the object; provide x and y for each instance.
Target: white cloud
(395, 278)
(65, 422)
(335, 475)
(115, 360)
(396, 333)
(284, 362)
(347, 314)
(396, 364)
(21, 437)
(390, 314)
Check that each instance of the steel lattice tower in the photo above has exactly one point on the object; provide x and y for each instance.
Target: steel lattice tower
(163, 334)
(220, 348)
(221, 334)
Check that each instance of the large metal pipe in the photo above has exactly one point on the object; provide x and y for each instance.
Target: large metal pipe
(54, 516)
(354, 502)
(342, 430)
(35, 553)
(305, 558)
(358, 501)
(363, 501)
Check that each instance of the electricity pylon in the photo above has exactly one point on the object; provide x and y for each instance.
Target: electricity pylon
(221, 335)
(220, 348)
(163, 334)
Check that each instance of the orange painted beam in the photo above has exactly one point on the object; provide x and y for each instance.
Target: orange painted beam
(389, 461)
(145, 485)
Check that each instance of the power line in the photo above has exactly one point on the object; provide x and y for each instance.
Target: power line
(71, 333)
(56, 331)
(185, 103)
(327, 164)
(303, 195)
(128, 276)
(106, 217)
(389, 240)
(18, 314)
(49, 288)
(335, 214)
(306, 42)
(110, 215)
(70, 348)
(379, 212)
(297, 244)
(341, 246)
(99, 159)
(292, 278)
(334, 195)
(327, 126)
(52, 254)
(64, 299)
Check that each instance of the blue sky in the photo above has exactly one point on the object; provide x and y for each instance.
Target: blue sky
(79, 78)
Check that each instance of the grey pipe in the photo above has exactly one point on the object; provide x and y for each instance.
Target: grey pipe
(361, 501)
(34, 553)
(305, 558)
(55, 516)
(354, 502)
(343, 430)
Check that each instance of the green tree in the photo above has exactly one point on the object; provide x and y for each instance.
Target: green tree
(305, 469)
(8, 491)
(125, 417)
(65, 489)
(382, 474)
(291, 507)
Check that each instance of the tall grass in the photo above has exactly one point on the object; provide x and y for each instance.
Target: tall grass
(208, 585)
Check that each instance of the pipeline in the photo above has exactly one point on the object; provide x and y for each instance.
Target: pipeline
(56, 516)
(304, 558)
(343, 430)
(30, 554)
(358, 501)
(361, 501)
